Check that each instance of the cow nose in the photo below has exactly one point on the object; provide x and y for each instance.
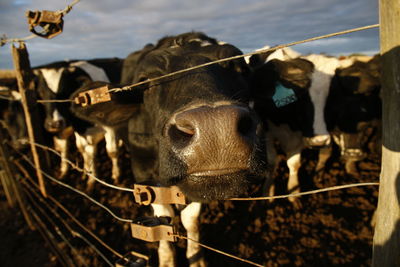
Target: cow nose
(318, 140)
(208, 137)
(52, 125)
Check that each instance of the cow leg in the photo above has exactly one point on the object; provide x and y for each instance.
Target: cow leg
(61, 145)
(273, 163)
(323, 156)
(351, 167)
(190, 220)
(112, 151)
(293, 164)
(87, 145)
(166, 252)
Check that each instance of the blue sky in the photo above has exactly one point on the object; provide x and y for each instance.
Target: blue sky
(115, 28)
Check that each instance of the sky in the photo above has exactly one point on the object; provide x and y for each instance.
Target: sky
(115, 28)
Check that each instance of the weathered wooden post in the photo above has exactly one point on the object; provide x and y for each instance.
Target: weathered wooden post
(386, 247)
(11, 186)
(25, 85)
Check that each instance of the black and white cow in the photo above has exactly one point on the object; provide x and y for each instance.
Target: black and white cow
(354, 109)
(290, 96)
(194, 130)
(58, 81)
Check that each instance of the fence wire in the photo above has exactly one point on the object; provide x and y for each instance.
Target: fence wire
(76, 167)
(69, 228)
(332, 188)
(74, 190)
(216, 250)
(260, 51)
(74, 219)
(53, 224)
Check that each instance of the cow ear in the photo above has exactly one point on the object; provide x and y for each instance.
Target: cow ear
(122, 106)
(257, 60)
(296, 73)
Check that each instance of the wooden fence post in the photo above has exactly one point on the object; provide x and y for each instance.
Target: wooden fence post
(11, 186)
(386, 247)
(26, 88)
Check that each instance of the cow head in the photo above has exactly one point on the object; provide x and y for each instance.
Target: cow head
(354, 107)
(60, 79)
(194, 130)
(283, 94)
(58, 82)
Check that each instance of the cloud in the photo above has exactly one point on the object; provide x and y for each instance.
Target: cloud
(100, 28)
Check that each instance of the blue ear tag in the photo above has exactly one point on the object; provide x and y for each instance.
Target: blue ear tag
(283, 96)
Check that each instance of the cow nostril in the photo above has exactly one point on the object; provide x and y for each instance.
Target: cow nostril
(245, 125)
(181, 135)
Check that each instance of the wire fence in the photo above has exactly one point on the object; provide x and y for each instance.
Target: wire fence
(37, 201)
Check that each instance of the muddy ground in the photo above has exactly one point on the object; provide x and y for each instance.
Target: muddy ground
(326, 229)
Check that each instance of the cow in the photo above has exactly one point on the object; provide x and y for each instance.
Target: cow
(290, 96)
(57, 81)
(193, 130)
(354, 110)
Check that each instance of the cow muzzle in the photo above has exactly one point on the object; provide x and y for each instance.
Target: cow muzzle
(213, 140)
(53, 126)
(318, 141)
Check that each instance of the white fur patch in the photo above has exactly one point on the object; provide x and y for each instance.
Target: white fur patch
(52, 78)
(202, 42)
(57, 116)
(16, 95)
(324, 69)
(285, 53)
(281, 54)
(163, 210)
(95, 73)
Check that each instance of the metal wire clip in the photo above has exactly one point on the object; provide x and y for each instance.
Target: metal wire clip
(51, 22)
(153, 229)
(93, 96)
(145, 195)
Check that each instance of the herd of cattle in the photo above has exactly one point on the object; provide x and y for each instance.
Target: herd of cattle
(212, 131)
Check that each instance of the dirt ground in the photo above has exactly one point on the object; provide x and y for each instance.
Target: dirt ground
(325, 229)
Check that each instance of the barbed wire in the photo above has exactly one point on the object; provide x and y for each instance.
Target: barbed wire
(4, 40)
